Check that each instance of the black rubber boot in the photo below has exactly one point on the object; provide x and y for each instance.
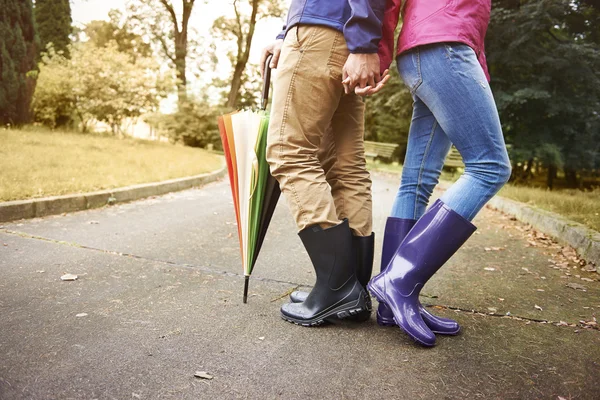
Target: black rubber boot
(337, 292)
(364, 246)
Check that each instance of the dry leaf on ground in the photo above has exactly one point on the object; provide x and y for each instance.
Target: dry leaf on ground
(69, 277)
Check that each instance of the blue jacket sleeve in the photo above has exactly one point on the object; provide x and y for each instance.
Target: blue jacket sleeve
(281, 34)
(363, 29)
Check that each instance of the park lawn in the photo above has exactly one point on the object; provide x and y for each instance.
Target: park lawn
(38, 163)
(576, 205)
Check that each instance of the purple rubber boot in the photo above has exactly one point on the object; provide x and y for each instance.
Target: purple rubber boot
(396, 230)
(434, 238)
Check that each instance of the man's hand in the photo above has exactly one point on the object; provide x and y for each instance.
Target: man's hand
(273, 48)
(361, 70)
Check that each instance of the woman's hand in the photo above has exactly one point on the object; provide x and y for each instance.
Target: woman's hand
(369, 90)
(273, 48)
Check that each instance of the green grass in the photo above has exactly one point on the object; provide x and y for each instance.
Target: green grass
(576, 205)
(582, 207)
(37, 163)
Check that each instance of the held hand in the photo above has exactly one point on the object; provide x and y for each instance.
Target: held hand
(273, 48)
(361, 70)
(368, 90)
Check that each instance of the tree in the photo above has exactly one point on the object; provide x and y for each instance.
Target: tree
(241, 30)
(53, 18)
(544, 61)
(158, 20)
(97, 83)
(18, 50)
(101, 33)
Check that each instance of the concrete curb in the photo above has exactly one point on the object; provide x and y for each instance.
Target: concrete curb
(584, 240)
(34, 208)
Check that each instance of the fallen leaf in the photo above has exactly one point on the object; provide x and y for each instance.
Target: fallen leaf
(203, 375)
(538, 308)
(576, 286)
(69, 277)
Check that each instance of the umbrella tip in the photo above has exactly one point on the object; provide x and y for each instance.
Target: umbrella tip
(246, 281)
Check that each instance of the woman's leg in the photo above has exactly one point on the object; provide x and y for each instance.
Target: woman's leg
(455, 89)
(427, 149)
(450, 81)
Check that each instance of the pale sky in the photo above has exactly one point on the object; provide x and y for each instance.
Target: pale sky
(203, 15)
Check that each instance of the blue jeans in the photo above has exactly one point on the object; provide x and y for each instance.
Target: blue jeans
(453, 104)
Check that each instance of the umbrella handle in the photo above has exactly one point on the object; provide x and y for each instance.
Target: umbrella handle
(266, 84)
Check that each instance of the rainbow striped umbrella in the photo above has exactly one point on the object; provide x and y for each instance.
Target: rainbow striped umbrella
(255, 192)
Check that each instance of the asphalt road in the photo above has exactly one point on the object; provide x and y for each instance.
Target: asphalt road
(158, 297)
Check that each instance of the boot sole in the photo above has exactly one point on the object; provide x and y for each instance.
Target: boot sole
(380, 299)
(360, 317)
(351, 309)
(388, 323)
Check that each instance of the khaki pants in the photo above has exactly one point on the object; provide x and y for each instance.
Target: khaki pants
(315, 146)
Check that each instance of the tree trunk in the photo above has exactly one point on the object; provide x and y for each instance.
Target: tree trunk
(236, 84)
(181, 42)
(243, 53)
(571, 176)
(180, 70)
(551, 175)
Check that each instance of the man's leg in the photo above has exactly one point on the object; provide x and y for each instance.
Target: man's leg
(305, 98)
(307, 93)
(342, 156)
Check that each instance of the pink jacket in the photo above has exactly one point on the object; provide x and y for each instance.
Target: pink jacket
(435, 21)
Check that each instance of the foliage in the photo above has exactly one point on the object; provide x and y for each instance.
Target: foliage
(193, 124)
(96, 83)
(53, 19)
(545, 61)
(240, 30)
(168, 32)
(18, 50)
(388, 114)
(117, 30)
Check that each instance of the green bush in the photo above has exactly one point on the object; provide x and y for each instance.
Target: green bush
(194, 124)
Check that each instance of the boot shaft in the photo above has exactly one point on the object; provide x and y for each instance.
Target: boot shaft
(364, 246)
(396, 230)
(330, 253)
(436, 236)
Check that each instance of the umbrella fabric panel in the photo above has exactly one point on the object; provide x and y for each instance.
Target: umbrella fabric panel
(258, 198)
(226, 132)
(245, 131)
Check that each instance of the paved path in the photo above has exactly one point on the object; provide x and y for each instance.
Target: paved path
(159, 297)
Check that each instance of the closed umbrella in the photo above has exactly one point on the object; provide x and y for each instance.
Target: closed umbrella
(255, 192)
